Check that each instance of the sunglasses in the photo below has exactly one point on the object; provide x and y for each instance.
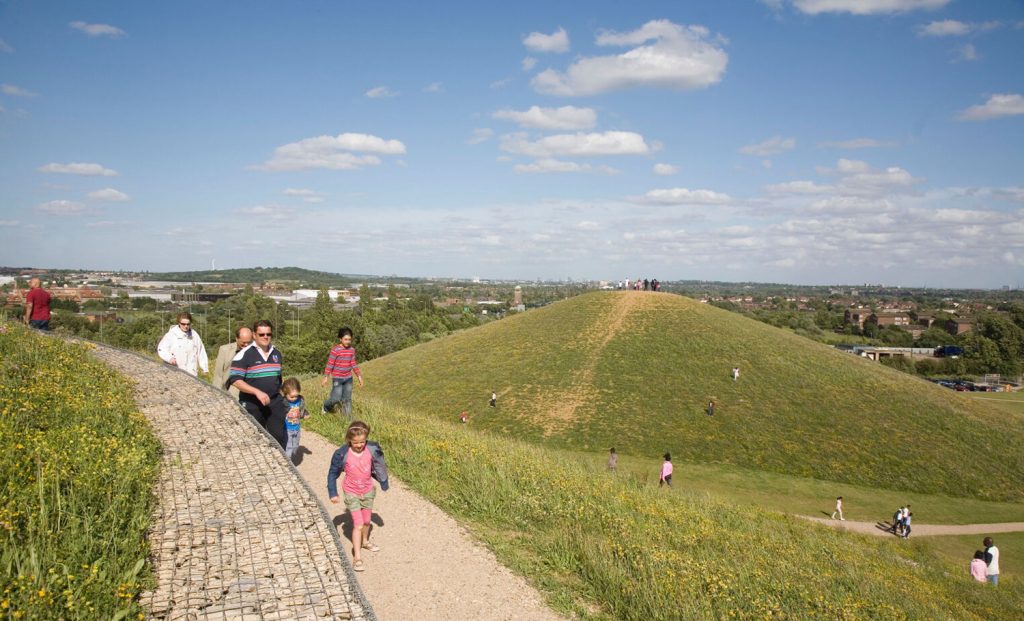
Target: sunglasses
(264, 334)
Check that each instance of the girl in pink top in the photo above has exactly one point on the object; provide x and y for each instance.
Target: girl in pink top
(358, 491)
(978, 566)
(666, 471)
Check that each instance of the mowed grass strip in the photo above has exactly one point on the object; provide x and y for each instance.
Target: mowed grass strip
(603, 546)
(77, 465)
(800, 408)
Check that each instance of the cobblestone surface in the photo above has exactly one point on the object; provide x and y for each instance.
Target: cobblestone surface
(236, 535)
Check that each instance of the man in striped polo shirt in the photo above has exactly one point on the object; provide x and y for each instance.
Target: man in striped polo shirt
(341, 366)
(256, 373)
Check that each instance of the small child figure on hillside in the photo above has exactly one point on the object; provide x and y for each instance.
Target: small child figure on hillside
(711, 408)
(341, 367)
(463, 417)
(978, 566)
(906, 524)
(613, 459)
(494, 399)
(291, 390)
(362, 461)
(666, 471)
(735, 374)
(839, 509)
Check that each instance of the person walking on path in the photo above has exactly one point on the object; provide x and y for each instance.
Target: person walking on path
(37, 306)
(341, 366)
(227, 353)
(183, 348)
(666, 471)
(291, 390)
(839, 509)
(362, 461)
(897, 520)
(906, 525)
(256, 373)
(991, 561)
(978, 567)
(613, 459)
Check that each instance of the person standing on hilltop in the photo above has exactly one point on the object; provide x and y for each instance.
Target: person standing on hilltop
(256, 373)
(227, 353)
(735, 374)
(341, 366)
(666, 471)
(613, 459)
(494, 399)
(183, 348)
(37, 306)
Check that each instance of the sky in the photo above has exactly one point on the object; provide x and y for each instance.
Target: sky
(791, 141)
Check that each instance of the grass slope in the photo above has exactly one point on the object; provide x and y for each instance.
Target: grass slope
(603, 546)
(635, 370)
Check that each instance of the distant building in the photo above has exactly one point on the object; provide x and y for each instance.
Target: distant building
(856, 317)
(890, 318)
(959, 326)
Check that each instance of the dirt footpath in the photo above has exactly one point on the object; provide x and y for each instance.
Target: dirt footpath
(428, 566)
(921, 530)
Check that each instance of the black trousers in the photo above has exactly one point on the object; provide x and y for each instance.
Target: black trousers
(271, 416)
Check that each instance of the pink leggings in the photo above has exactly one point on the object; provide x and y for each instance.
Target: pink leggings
(361, 517)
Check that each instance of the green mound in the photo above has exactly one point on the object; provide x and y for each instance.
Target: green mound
(636, 370)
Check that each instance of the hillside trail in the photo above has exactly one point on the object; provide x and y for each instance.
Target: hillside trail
(428, 566)
(880, 529)
(560, 409)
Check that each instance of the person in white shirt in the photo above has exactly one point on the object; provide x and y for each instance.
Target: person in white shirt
(181, 347)
(991, 561)
(839, 509)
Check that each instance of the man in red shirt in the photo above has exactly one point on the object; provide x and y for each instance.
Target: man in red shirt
(37, 306)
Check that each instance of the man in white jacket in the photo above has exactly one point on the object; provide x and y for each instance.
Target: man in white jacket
(183, 348)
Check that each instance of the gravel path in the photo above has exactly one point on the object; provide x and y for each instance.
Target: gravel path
(428, 566)
(236, 534)
(921, 530)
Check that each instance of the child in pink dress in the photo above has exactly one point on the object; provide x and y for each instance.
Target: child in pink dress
(666, 471)
(978, 566)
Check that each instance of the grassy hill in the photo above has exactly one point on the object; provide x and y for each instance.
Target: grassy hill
(635, 370)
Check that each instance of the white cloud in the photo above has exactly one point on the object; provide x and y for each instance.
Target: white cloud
(308, 196)
(61, 208)
(5, 48)
(578, 144)
(501, 83)
(550, 165)
(866, 7)
(341, 152)
(772, 146)
(529, 63)
(678, 57)
(433, 87)
(98, 30)
(944, 28)
(588, 225)
(857, 143)
(273, 212)
(967, 51)
(798, 187)
(566, 117)
(379, 92)
(480, 134)
(954, 28)
(108, 195)
(9, 223)
(997, 106)
(540, 43)
(665, 169)
(78, 168)
(16, 91)
(683, 196)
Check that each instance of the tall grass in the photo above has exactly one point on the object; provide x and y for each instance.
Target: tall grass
(800, 408)
(77, 464)
(606, 546)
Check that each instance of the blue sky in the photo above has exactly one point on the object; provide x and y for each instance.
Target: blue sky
(802, 141)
